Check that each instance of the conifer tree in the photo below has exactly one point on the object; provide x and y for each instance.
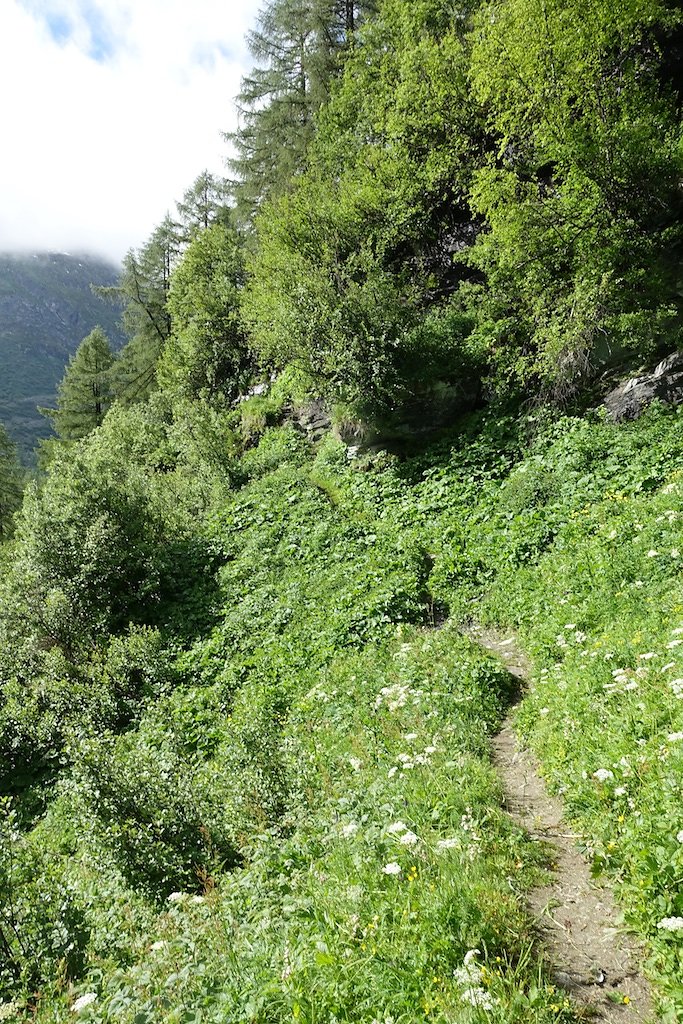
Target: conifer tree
(297, 46)
(204, 203)
(143, 290)
(11, 478)
(84, 394)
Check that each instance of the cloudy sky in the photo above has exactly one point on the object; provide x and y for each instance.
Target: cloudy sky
(110, 109)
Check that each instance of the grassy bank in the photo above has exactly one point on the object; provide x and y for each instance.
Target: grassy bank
(302, 823)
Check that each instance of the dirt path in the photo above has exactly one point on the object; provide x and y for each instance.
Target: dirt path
(577, 919)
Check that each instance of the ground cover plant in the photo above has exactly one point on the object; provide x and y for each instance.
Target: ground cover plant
(302, 821)
(576, 543)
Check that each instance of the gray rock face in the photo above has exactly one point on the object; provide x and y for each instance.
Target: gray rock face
(314, 419)
(665, 383)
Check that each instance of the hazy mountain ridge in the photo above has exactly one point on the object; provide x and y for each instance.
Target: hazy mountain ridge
(46, 308)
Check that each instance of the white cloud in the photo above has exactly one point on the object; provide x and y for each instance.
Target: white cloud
(110, 110)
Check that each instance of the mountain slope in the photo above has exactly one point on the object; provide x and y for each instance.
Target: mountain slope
(46, 308)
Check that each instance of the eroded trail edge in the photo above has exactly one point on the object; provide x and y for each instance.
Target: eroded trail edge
(577, 919)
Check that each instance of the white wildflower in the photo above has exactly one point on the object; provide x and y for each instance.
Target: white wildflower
(448, 844)
(392, 868)
(407, 765)
(603, 775)
(392, 771)
(669, 664)
(570, 625)
(84, 1001)
(431, 750)
(398, 826)
(620, 791)
(355, 763)
(409, 839)
(477, 997)
(350, 829)
(675, 737)
(652, 553)
(177, 897)
(410, 736)
(677, 687)
(677, 631)
(579, 636)
(470, 973)
(673, 643)
(159, 944)
(544, 711)
(679, 836)
(647, 655)
(631, 686)
(197, 899)
(675, 553)
(671, 924)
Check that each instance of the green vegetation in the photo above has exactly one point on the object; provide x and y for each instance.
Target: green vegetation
(246, 771)
(46, 308)
(85, 392)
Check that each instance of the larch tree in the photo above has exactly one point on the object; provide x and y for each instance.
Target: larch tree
(143, 290)
(297, 46)
(205, 202)
(11, 481)
(85, 392)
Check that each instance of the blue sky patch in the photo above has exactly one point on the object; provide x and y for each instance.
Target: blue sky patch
(102, 39)
(59, 26)
(206, 55)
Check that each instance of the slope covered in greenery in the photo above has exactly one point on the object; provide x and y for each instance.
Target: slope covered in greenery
(246, 767)
(287, 810)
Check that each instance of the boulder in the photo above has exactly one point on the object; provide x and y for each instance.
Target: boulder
(664, 383)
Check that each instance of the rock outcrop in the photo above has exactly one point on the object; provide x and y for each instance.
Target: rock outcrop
(665, 384)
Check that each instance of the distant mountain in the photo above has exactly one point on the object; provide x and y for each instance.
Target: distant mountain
(46, 309)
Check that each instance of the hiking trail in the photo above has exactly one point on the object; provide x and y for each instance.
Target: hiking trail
(577, 918)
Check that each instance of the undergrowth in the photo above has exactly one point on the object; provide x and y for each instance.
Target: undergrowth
(302, 823)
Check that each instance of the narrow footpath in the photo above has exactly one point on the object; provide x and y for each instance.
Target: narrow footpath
(577, 918)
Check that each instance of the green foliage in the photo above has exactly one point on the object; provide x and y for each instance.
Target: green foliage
(347, 263)
(297, 47)
(581, 197)
(142, 290)
(85, 392)
(163, 832)
(206, 354)
(251, 780)
(46, 307)
(11, 484)
(204, 203)
(42, 928)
